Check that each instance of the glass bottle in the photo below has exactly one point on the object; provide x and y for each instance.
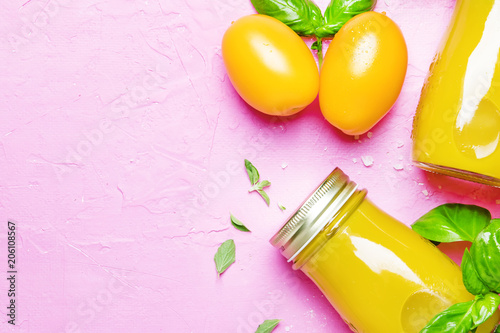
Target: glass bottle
(380, 276)
(456, 129)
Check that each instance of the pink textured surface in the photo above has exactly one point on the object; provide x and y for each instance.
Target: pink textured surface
(121, 151)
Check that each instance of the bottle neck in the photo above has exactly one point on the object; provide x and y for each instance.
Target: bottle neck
(336, 222)
(320, 214)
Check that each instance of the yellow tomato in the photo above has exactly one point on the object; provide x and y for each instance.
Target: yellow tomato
(269, 65)
(363, 72)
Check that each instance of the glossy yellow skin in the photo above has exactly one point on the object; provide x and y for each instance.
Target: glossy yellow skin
(269, 65)
(363, 72)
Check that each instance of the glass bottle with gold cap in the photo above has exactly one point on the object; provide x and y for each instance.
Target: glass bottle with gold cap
(380, 276)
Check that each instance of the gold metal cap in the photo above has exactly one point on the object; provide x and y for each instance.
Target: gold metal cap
(314, 214)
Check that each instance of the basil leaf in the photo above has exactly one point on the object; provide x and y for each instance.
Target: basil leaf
(452, 222)
(456, 319)
(315, 16)
(253, 173)
(281, 207)
(470, 277)
(484, 307)
(268, 326)
(485, 253)
(238, 224)
(339, 12)
(264, 196)
(303, 16)
(225, 256)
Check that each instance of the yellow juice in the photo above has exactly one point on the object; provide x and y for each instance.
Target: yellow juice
(383, 277)
(380, 276)
(457, 124)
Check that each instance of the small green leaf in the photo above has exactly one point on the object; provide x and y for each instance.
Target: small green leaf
(452, 222)
(470, 277)
(225, 256)
(282, 207)
(253, 173)
(339, 12)
(254, 177)
(456, 319)
(485, 254)
(302, 16)
(316, 45)
(264, 195)
(268, 326)
(484, 307)
(238, 224)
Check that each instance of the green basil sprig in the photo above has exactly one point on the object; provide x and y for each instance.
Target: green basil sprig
(305, 18)
(480, 266)
(257, 185)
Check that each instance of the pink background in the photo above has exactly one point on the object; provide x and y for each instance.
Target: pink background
(121, 155)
